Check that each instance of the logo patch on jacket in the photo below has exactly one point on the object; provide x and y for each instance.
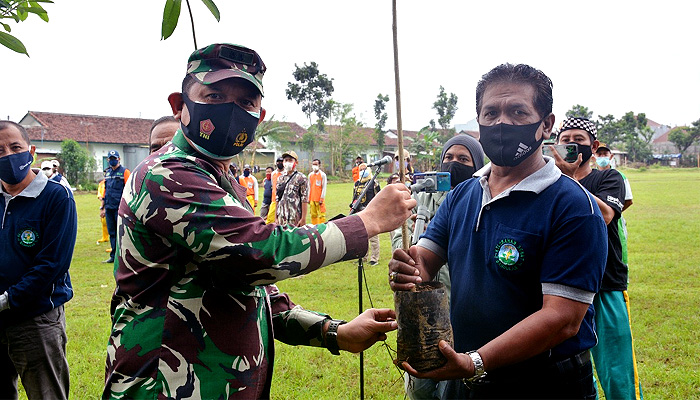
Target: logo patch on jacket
(509, 255)
(28, 237)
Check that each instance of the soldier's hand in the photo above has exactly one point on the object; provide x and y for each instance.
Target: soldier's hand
(388, 209)
(366, 329)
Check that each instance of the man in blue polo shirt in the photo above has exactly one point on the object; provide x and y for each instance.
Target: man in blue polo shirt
(115, 178)
(518, 244)
(37, 236)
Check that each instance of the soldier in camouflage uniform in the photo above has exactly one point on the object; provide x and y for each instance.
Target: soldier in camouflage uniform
(292, 193)
(195, 310)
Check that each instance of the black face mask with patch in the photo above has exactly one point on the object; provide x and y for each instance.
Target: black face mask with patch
(219, 131)
(508, 145)
(586, 153)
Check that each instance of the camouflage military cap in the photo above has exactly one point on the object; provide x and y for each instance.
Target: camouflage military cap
(222, 61)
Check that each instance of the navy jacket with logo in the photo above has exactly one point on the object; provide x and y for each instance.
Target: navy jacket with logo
(37, 236)
(114, 185)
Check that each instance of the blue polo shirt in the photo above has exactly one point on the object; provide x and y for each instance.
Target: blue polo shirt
(544, 235)
(37, 236)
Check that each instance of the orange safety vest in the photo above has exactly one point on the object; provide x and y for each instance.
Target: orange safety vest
(248, 183)
(315, 186)
(273, 178)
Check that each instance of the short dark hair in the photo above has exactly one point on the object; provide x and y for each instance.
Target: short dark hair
(7, 124)
(266, 168)
(316, 159)
(167, 118)
(521, 74)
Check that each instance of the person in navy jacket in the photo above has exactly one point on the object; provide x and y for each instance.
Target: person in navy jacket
(37, 235)
(115, 179)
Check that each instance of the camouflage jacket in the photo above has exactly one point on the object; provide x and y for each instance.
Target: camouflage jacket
(194, 313)
(296, 191)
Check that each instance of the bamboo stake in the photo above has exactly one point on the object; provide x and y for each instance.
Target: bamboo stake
(399, 126)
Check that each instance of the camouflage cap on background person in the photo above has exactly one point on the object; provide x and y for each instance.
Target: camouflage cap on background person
(292, 154)
(221, 61)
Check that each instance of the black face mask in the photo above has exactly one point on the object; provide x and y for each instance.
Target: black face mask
(219, 131)
(458, 172)
(586, 154)
(508, 145)
(280, 166)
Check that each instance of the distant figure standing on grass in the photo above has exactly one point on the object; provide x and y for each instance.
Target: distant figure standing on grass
(365, 177)
(267, 193)
(250, 183)
(115, 178)
(317, 193)
(276, 173)
(292, 193)
(37, 236)
(103, 220)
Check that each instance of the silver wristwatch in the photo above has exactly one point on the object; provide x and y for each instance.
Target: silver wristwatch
(479, 372)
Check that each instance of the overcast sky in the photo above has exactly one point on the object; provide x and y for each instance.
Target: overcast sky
(105, 58)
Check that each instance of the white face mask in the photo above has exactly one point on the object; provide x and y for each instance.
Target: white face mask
(314, 167)
(288, 165)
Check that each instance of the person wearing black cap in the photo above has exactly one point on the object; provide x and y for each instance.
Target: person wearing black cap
(115, 179)
(614, 357)
(195, 310)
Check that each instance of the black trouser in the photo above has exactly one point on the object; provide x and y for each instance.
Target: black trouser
(111, 218)
(571, 378)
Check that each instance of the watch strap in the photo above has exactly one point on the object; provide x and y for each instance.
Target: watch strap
(332, 336)
(479, 372)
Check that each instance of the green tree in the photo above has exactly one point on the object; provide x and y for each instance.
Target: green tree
(269, 129)
(426, 152)
(346, 139)
(19, 10)
(75, 161)
(381, 116)
(683, 136)
(313, 91)
(171, 15)
(579, 111)
(446, 107)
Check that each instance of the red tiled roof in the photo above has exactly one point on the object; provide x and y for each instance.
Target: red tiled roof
(89, 128)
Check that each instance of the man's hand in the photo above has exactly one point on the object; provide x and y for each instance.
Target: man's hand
(566, 168)
(388, 209)
(403, 273)
(102, 213)
(459, 365)
(366, 329)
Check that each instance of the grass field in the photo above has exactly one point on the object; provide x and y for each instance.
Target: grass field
(664, 240)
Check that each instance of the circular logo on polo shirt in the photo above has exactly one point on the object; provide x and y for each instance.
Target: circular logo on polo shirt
(509, 255)
(28, 237)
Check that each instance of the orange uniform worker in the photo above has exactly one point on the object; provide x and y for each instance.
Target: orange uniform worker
(317, 193)
(249, 181)
(273, 206)
(356, 169)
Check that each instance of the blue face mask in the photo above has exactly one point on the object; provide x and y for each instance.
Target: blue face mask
(602, 162)
(15, 167)
(113, 162)
(246, 173)
(219, 131)
(364, 174)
